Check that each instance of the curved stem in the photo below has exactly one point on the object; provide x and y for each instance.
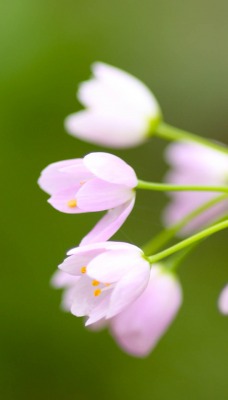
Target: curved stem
(169, 132)
(167, 234)
(176, 188)
(187, 242)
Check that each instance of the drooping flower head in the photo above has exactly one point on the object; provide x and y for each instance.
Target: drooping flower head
(98, 182)
(121, 110)
(198, 165)
(102, 279)
(136, 321)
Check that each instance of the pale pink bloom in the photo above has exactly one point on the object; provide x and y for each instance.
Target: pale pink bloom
(223, 301)
(97, 182)
(194, 164)
(121, 110)
(102, 279)
(139, 327)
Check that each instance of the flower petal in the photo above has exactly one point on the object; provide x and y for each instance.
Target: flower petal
(62, 175)
(74, 263)
(131, 91)
(105, 246)
(99, 312)
(60, 279)
(65, 201)
(111, 130)
(109, 224)
(98, 195)
(138, 328)
(223, 301)
(84, 300)
(112, 265)
(111, 169)
(129, 287)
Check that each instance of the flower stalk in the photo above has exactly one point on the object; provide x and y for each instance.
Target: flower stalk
(168, 132)
(163, 187)
(189, 241)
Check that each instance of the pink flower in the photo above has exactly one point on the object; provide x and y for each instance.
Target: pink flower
(139, 323)
(102, 279)
(121, 110)
(198, 165)
(98, 182)
(223, 301)
(138, 328)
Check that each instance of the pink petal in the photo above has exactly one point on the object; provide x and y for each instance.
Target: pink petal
(197, 158)
(112, 265)
(138, 328)
(109, 224)
(60, 279)
(60, 201)
(54, 179)
(130, 286)
(98, 195)
(99, 312)
(73, 264)
(223, 301)
(110, 168)
(101, 245)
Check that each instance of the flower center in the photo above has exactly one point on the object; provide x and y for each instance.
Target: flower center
(97, 292)
(95, 283)
(72, 203)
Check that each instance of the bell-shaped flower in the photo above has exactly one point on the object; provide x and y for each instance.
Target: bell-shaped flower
(223, 301)
(139, 327)
(120, 110)
(98, 182)
(195, 164)
(102, 279)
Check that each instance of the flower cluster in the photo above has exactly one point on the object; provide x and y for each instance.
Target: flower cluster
(114, 284)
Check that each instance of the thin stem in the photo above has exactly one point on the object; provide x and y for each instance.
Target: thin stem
(177, 188)
(169, 132)
(187, 242)
(167, 234)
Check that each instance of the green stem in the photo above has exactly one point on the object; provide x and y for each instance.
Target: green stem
(169, 132)
(176, 188)
(167, 234)
(187, 242)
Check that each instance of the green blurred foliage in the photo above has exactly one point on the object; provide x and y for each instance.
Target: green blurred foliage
(179, 49)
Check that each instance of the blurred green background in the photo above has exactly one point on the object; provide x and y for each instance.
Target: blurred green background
(179, 49)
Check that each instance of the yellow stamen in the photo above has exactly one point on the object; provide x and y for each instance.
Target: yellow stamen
(97, 292)
(72, 203)
(83, 270)
(107, 284)
(82, 182)
(95, 283)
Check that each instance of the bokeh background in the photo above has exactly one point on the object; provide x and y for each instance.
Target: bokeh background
(179, 49)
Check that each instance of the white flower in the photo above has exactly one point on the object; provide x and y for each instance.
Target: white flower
(121, 110)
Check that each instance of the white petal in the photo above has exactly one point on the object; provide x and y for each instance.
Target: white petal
(129, 288)
(112, 265)
(108, 129)
(131, 91)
